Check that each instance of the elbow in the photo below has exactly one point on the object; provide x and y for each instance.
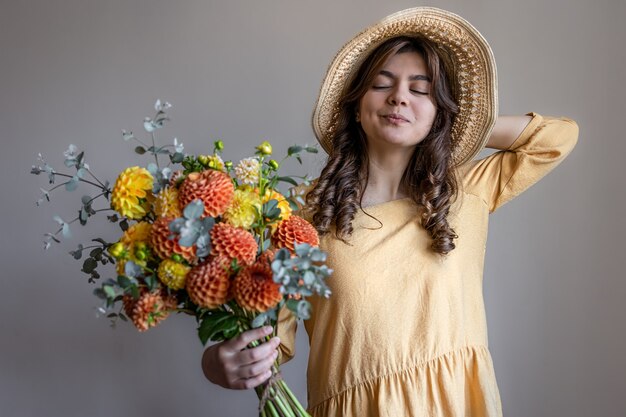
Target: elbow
(569, 134)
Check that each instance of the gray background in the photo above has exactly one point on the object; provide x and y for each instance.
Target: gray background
(78, 71)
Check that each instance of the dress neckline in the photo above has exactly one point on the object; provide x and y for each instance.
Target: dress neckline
(385, 203)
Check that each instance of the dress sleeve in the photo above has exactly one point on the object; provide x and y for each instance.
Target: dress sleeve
(286, 331)
(503, 175)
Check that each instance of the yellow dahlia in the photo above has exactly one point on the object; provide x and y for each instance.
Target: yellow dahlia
(254, 288)
(294, 230)
(283, 205)
(134, 241)
(173, 274)
(166, 203)
(247, 171)
(243, 209)
(132, 193)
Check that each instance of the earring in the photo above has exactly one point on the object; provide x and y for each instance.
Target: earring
(358, 117)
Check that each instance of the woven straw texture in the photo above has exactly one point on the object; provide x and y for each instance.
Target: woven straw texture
(468, 60)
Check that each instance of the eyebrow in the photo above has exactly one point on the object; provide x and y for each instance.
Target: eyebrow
(411, 78)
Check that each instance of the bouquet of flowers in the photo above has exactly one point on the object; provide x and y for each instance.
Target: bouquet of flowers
(200, 237)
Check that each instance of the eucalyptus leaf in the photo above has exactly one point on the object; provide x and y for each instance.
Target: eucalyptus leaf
(99, 292)
(294, 150)
(127, 135)
(86, 199)
(89, 265)
(81, 172)
(288, 180)
(152, 168)
(308, 277)
(83, 216)
(66, 231)
(189, 239)
(131, 269)
(152, 282)
(194, 210)
(176, 224)
(140, 150)
(259, 320)
(72, 184)
(148, 125)
(109, 291)
(304, 310)
(177, 158)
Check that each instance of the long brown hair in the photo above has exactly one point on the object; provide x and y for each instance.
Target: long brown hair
(429, 177)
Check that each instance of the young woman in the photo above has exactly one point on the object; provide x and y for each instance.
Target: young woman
(403, 208)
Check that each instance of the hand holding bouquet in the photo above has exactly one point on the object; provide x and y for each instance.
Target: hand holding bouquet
(201, 237)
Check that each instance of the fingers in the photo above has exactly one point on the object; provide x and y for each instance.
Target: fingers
(252, 355)
(232, 365)
(252, 375)
(245, 338)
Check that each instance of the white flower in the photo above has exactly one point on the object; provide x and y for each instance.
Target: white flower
(247, 171)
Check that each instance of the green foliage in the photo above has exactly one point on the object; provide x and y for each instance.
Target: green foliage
(218, 325)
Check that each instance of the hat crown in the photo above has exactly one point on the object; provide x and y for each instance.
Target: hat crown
(468, 60)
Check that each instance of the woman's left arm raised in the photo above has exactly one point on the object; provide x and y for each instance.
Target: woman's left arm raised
(506, 130)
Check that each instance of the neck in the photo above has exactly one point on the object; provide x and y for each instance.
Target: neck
(385, 177)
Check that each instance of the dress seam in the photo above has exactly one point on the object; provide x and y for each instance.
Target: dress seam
(400, 371)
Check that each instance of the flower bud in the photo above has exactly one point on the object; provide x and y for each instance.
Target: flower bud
(228, 164)
(177, 258)
(141, 251)
(117, 250)
(204, 160)
(273, 164)
(219, 145)
(265, 148)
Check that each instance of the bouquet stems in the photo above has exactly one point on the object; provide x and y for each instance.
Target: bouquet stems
(277, 400)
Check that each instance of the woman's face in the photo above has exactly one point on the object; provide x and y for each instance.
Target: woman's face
(398, 109)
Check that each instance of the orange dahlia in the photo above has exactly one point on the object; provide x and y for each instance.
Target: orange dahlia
(208, 283)
(254, 289)
(165, 247)
(132, 193)
(294, 230)
(214, 188)
(233, 243)
(149, 309)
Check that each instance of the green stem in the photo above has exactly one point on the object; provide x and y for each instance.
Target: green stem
(156, 158)
(293, 398)
(80, 179)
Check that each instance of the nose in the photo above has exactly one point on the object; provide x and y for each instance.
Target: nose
(398, 96)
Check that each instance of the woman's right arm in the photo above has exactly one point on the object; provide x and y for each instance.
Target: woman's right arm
(230, 365)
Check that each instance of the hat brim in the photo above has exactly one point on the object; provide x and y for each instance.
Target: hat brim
(468, 59)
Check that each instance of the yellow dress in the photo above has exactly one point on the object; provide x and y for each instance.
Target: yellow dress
(404, 332)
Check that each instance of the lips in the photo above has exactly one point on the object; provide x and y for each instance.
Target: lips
(395, 118)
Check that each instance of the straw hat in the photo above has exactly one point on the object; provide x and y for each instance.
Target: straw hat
(468, 60)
